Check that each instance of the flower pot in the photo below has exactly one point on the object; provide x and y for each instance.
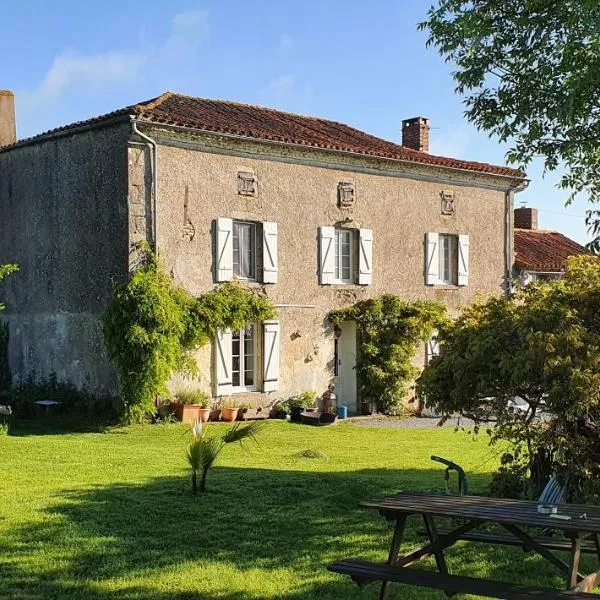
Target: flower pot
(204, 414)
(187, 413)
(229, 414)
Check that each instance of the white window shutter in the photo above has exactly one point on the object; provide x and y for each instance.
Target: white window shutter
(224, 250)
(271, 356)
(269, 252)
(463, 259)
(432, 260)
(326, 255)
(433, 347)
(223, 363)
(365, 257)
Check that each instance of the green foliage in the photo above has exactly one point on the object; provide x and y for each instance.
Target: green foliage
(4, 271)
(204, 450)
(529, 72)
(298, 402)
(152, 327)
(543, 346)
(194, 397)
(4, 427)
(389, 330)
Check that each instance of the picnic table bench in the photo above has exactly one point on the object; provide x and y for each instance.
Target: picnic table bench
(582, 525)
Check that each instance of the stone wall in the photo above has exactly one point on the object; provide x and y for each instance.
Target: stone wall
(64, 221)
(299, 191)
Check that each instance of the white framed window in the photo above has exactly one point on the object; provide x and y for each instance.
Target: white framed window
(243, 359)
(448, 257)
(244, 250)
(344, 247)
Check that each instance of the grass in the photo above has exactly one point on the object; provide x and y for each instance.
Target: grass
(109, 515)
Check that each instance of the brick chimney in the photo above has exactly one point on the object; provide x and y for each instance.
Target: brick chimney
(526, 218)
(415, 133)
(8, 127)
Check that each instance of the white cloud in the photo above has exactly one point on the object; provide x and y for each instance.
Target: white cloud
(188, 30)
(90, 72)
(74, 72)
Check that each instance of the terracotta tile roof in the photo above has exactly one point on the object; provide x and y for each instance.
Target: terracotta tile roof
(540, 250)
(262, 123)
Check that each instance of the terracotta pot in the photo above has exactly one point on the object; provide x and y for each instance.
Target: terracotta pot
(204, 414)
(187, 413)
(229, 414)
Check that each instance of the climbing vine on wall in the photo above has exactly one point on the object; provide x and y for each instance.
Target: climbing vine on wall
(152, 327)
(389, 330)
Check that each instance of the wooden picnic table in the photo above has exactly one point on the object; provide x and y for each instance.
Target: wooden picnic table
(473, 512)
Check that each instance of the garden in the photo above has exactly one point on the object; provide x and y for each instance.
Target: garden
(110, 514)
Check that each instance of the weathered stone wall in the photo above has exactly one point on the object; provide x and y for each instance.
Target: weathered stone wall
(64, 221)
(400, 203)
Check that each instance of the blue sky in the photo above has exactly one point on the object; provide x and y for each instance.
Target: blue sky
(364, 64)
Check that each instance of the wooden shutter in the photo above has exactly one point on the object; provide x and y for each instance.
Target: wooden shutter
(269, 252)
(271, 356)
(433, 348)
(326, 255)
(365, 257)
(463, 259)
(222, 359)
(432, 260)
(224, 250)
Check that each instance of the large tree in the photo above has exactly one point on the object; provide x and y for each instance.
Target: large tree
(529, 71)
(541, 345)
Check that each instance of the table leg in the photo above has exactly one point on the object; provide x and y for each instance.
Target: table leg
(440, 561)
(393, 555)
(574, 562)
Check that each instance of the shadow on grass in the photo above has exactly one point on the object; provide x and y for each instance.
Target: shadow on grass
(137, 538)
(48, 424)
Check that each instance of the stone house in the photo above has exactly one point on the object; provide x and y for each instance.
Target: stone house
(540, 255)
(310, 212)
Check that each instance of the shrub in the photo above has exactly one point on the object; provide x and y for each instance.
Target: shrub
(294, 405)
(194, 397)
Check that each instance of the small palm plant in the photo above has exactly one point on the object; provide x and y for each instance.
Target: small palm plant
(204, 450)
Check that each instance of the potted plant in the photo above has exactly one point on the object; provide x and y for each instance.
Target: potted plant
(229, 411)
(192, 406)
(299, 403)
(242, 411)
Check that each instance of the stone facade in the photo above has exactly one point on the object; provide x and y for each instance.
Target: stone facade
(76, 203)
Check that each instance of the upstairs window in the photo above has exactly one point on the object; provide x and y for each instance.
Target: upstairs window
(244, 250)
(448, 268)
(344, 267)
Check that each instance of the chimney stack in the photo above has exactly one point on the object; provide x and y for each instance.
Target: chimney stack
(8, 127)
(415, 134)
(526, 218)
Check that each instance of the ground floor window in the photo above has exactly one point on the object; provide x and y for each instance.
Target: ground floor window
(243, 355)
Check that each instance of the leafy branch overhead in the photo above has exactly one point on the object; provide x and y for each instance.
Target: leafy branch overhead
(152, 327)
(529, 71)
(389, 330)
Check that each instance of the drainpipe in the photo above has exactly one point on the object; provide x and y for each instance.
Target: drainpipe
(509, 233)
(154, 167)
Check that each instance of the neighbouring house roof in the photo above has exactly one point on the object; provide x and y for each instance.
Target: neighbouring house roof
(257, 122)
(541, 250)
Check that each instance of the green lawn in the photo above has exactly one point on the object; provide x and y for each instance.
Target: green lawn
(109, 515)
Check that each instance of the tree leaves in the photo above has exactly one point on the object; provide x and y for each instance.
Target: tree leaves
(529, 72)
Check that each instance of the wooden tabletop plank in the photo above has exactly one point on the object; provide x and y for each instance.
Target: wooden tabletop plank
(501, 510)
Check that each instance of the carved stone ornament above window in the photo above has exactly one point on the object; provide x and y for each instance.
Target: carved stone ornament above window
(247, 185)
(447, 202)
(346, 196)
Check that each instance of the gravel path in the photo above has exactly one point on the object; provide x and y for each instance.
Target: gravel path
(410, 423)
